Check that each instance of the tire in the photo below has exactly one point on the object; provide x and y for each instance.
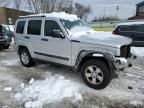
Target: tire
(26, 58)
(95, 74)
(6, 47)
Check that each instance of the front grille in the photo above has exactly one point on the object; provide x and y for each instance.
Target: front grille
(1, 37)
(124, 51)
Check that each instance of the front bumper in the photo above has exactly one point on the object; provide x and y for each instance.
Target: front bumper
(2, 43)
(121, 63)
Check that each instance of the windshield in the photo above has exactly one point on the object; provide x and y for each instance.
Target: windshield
(69, 25)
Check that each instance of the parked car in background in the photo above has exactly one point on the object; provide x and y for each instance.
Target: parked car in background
(134, 30)
(65, 39)
(6, 35)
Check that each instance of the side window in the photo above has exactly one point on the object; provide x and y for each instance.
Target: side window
(20, 27)
(125, 29)
(139, 28)
(34, 27)
(50, 26)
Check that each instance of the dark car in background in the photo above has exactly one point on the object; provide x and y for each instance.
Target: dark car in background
(6, 35)
(134, 30)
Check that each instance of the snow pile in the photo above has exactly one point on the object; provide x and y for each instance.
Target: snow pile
(61, 15)
(52, 89)
(136, 103)
(139, 51)
(79, 31)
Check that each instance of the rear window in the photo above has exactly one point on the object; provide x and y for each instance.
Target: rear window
(34, 27)
(20, 27)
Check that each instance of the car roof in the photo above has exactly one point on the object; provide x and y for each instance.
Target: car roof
(131, 23)
(59, 15)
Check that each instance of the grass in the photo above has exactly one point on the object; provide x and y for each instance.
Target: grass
(103, 29)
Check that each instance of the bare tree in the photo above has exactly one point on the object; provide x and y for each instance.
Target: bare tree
(4, 2)
(47, 6)
(82, 11)
(17, 4)
(66, 6)
(106, 18)
(42, 6)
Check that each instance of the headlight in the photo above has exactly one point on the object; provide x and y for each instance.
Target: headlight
(6, 37)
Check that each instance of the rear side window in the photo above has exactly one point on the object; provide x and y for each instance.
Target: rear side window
(20, 27)
(139, 28)
(34, 27)
(125, 29)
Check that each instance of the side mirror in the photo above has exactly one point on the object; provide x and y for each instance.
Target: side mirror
(58, 34)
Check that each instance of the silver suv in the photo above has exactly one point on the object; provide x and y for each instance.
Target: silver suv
(65, 39)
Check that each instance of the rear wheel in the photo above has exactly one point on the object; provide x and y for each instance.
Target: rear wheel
(26, 58)
(95, 74)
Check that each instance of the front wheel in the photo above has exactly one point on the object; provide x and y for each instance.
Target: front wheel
(26, 58)
(95, 74)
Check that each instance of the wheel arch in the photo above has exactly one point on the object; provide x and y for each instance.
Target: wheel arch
(87, 55)
(20, 47)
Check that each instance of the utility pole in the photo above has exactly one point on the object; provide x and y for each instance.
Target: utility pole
(104, 12)
(117, 10)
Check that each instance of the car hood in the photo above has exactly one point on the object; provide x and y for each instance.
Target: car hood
(102, 38)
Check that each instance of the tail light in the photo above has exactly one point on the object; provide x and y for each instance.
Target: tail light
(113, 33)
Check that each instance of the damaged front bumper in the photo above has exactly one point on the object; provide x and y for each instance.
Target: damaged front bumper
(121, 63)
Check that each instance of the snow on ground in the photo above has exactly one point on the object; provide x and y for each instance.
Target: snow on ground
(11, 62)
(52, 89)
(139, 51)
(60, 83)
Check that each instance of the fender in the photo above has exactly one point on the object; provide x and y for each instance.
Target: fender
(97, 54)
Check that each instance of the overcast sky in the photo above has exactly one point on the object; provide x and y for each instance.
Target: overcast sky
(108, 7)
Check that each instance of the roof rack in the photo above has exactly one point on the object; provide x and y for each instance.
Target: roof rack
(59, 15)
(30, 16)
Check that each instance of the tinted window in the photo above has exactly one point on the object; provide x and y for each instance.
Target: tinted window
(49, 27)
(125, 28)
(34, 27)
(20, 27)
(139, 28)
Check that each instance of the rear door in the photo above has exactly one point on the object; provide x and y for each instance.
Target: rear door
(20, 32)
(139, 35)
(33, 35)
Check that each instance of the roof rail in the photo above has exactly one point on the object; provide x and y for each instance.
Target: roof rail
(30, 16)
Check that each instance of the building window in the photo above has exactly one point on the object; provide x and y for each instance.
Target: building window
(141, 10)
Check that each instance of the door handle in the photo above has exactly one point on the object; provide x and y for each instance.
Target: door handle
(44, 39)
(26, 37)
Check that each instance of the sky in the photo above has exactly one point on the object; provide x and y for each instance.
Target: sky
(127, 8)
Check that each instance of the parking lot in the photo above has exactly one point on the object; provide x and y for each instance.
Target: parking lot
(46, 85)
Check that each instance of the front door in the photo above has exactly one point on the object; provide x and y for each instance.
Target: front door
(52, 48)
